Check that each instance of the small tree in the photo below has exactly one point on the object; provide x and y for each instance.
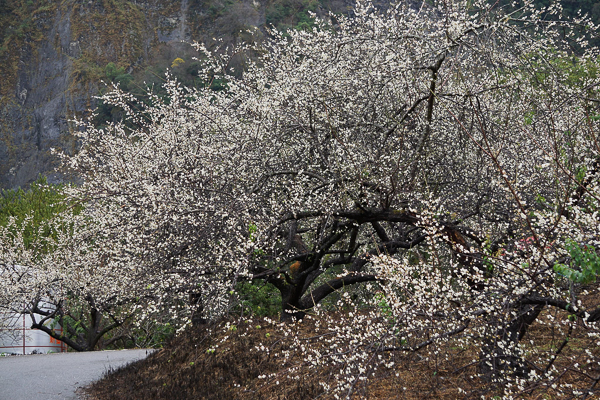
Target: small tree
(55, 266)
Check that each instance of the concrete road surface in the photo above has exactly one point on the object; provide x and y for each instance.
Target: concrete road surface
(57, 376)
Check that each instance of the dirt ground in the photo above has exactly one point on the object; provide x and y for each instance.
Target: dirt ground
(218, 362)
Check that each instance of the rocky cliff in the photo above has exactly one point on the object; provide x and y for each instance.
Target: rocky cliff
(55, 54)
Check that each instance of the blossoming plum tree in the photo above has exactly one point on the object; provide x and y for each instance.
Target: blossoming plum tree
(70, 274)
(447, 153)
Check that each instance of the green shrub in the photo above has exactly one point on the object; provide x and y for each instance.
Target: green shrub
(584, 266)
(35, 207)
(259, 299)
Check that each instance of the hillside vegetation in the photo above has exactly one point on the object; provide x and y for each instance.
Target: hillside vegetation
(244, 359)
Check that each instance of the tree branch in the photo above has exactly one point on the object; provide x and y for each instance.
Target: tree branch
(314, 297)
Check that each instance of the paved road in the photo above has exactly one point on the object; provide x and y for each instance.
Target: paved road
(57, 376)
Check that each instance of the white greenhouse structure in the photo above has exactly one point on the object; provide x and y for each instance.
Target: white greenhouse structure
(17, 337)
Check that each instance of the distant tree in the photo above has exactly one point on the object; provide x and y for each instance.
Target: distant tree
(33, 207)
(74, 277)
(55, 263)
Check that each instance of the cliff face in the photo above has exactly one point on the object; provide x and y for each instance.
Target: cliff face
(54, 55)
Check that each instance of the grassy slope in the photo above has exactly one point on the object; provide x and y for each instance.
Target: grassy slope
(188, 368)
(223, 362)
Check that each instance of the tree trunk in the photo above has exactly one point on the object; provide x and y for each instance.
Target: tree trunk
(197, 307)
(499, 356)
(290, 303)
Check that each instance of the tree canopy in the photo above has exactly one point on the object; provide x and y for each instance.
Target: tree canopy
(445, 155)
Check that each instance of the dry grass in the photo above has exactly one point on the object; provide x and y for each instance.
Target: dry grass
(222, 362)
